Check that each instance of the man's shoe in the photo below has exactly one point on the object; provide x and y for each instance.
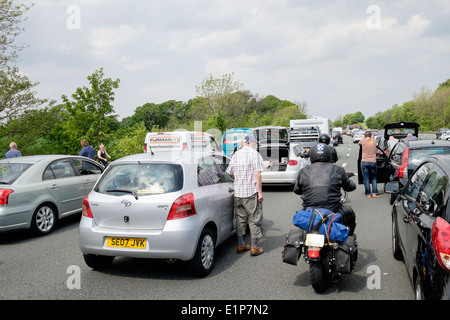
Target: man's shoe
(375, 196)
(241, 249)
(256, 251)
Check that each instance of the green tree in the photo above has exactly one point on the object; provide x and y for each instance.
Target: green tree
(90, 108)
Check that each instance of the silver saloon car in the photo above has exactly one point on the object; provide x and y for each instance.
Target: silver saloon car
(169, 205)
(37, 191)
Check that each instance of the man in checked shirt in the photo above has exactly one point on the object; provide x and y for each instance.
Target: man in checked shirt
(245, 168)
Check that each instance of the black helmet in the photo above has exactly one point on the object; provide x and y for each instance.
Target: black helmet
(320, 153)
(324, 138)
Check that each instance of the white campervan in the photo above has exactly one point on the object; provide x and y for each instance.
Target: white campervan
(180, 140)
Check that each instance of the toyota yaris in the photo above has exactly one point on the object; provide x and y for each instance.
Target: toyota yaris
(170, 205)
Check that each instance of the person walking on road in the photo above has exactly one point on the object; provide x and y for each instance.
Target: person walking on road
(369, 165)
(12, 152)
(245, 168)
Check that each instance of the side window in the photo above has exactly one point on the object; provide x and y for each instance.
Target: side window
(433, 191)
(223, 163)
(86, 167)
(417, 179)
(207, 172)
(60, 169)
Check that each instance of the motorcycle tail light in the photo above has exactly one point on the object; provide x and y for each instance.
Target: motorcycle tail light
(313, 253)
(440, 237)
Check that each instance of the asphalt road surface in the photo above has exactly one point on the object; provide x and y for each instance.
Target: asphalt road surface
(52, 267)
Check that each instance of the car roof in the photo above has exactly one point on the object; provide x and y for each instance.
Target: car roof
(176, 156)
(426, 143)
(36, 158)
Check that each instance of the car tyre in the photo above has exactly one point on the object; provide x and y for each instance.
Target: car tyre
(204, 258)
(44, 220)
(395, 241)
(98, 262)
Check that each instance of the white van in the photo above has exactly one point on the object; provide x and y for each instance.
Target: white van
(180, 140)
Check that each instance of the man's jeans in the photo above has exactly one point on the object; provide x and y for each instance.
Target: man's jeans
(369, 173)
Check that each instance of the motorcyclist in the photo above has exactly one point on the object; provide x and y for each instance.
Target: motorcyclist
(320, 183)
(325, 139)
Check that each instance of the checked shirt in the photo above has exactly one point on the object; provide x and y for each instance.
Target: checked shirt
(243, 166)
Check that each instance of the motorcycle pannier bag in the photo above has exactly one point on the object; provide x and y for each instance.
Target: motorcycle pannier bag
(346, 256)
(293, 246)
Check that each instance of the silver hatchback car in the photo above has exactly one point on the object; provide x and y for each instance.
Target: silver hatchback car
(170, 205)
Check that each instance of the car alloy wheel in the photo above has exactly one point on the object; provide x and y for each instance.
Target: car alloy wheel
(44, 220)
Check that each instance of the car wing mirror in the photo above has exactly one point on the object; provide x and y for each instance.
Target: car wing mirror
(392, 187)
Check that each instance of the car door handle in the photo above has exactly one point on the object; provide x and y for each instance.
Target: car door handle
(231, 190)
(54, 186)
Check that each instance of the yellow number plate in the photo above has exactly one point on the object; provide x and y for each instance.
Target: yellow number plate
(133, 243)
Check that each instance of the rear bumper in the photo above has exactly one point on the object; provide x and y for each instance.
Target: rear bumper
(178, 239)
(280, 177)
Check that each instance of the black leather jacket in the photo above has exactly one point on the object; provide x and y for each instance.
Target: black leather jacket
(320, 184)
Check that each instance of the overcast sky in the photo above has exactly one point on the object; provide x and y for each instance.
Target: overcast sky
(338, 56)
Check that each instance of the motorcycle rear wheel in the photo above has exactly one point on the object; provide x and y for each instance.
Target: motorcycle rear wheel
(318, 275)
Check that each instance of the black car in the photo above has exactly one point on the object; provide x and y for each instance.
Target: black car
(406, 155)
(421, 228)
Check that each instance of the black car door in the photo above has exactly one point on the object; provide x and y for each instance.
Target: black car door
(383, 169)
(430, 204)
(407, 207)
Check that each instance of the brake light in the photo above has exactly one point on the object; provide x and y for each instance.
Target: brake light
(293, 162)
(403, 170)
(86, 208)
(4, 194)
(313, 252)
(440, 237)
(145, 147)
(182, 207)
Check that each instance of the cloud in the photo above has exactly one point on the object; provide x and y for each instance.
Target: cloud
(323, 52)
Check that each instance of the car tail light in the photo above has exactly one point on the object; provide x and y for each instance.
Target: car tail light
(4, 194)
(182, 207)
(293, 162)
(403, 170)
(440, 237)
(86, 209)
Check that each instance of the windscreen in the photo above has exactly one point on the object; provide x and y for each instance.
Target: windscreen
(9, 172)
(141, 179)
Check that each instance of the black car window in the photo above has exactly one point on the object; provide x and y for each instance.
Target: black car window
(433, 191)
(397, 153)
(416, 156)
(417, 179)
(207, 172)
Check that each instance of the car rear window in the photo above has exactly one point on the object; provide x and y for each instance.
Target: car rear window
(416, 156)
(141, 179)
(9, 172)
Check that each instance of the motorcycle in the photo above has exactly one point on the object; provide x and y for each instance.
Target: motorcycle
(326, 246)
